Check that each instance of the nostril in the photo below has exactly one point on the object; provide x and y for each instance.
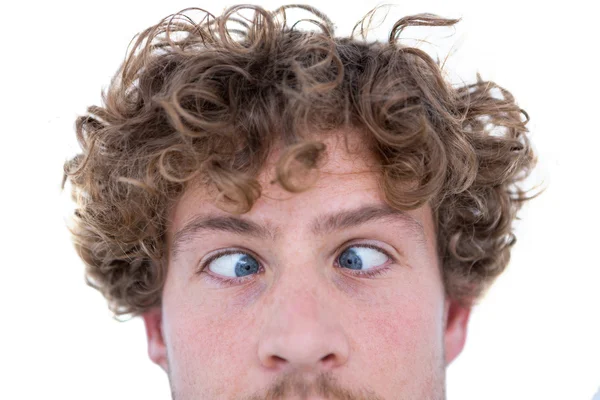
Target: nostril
(277, 361)
(329, 359)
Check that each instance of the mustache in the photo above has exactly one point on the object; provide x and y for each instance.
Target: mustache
(296, 386)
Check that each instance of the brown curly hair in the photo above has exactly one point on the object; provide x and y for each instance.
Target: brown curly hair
(208, 101)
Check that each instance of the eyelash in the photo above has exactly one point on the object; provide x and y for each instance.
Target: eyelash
(226, 281)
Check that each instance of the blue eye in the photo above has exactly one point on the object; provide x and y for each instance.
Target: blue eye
(234, 265)
(362, 258)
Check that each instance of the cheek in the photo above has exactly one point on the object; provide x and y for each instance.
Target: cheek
(401, 325)
(205, 337)
(401, 338)
(405, 326)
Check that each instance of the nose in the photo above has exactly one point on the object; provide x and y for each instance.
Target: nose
(302, 333)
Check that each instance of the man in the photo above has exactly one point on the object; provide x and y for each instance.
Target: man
(292, 214)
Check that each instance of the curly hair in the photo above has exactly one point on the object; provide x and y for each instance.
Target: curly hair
(208, 101)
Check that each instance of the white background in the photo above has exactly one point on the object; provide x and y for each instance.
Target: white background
(534, 336)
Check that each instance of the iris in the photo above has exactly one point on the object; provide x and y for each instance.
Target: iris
(246, 265)
(350, 259)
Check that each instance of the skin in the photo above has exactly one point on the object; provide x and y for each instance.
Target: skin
(303, 326)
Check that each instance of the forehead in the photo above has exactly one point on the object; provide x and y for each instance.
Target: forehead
(348, 178)
(346, 154)
(347, 151)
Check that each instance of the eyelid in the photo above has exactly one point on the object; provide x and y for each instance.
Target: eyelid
(223, 252)
(368, 273)
(363, 243)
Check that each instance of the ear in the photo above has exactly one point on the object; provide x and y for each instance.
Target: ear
(154, 332)
(455, 335)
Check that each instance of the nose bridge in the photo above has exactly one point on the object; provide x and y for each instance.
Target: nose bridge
(301, 297)
(300, 326)
(300, 301)
(301, 329)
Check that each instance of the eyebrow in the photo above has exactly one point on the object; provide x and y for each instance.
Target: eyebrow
(322, 225)
(341, 220)
(200, 224)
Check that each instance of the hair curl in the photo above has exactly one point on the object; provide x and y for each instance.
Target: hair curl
(207, 102)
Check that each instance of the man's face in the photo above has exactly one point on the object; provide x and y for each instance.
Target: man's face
(319, 294)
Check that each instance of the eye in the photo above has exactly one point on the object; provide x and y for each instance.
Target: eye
(233, 265)
(362, 258)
